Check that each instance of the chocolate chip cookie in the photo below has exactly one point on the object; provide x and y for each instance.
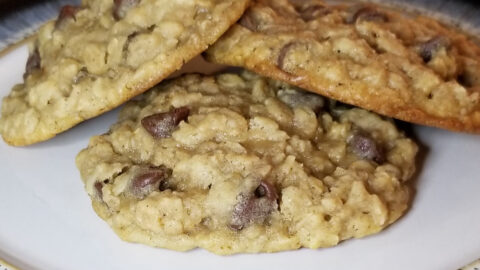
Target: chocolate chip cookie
(100, 54)
(240, 163)
(400, 65)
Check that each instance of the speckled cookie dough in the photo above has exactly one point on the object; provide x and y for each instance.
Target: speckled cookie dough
(241, 163)
(400, 65)
(98, 55)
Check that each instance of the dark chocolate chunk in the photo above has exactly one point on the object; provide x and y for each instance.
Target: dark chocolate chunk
(161, 125)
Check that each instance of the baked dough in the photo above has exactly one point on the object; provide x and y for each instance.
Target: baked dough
(99, 55)
(240, 163)
(400, 65)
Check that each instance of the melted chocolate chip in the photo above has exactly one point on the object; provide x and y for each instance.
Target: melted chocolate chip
(255, 207)
(98, 188)
(283, 53)
(366, 13)
(127, 43)
(33, 63)
(132, 36)
(294, 99)
(427, 50)
(161, 125)
(121, 7)
(249, 21)
(366, 148)
(67, 12)
(312, 12)
(150, 180)
(82, 74)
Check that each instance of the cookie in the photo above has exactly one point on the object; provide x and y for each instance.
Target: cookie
(400, 65)
(241, 163)
(96, 56)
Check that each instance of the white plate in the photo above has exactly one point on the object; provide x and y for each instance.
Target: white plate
(46, 221)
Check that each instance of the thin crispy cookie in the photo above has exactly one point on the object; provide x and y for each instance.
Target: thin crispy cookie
(96, 56)
(409, 67)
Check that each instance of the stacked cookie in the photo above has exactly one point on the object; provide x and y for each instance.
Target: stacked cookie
(97, 56)
(238, 162)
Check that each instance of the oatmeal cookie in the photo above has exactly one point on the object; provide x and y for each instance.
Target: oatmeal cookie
(404, 66)
(96, 56)
(241, 163)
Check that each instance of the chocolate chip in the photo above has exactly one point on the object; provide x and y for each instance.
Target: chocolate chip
(98, 188)
(312, 12)
(366, 13)
(127, 43)
(260, 192)
(82, 74)
(365, 147)
(265, 189)
(309, 10)
(121, 7)
(427, 50)
(294, 99)
(283, 53)
(33, 63)
(132, 36)
(249, 21)
(67, 12)
(164, 185)
(150, 180)
(254, 207)
(161, 125)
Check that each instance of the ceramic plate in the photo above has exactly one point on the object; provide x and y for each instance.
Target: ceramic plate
(46, 221)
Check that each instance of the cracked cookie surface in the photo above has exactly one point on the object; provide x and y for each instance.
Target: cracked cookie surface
(98, 55)
(400, 65)
(240, 163)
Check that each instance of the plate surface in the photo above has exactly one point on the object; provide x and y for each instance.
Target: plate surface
(46, 221)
